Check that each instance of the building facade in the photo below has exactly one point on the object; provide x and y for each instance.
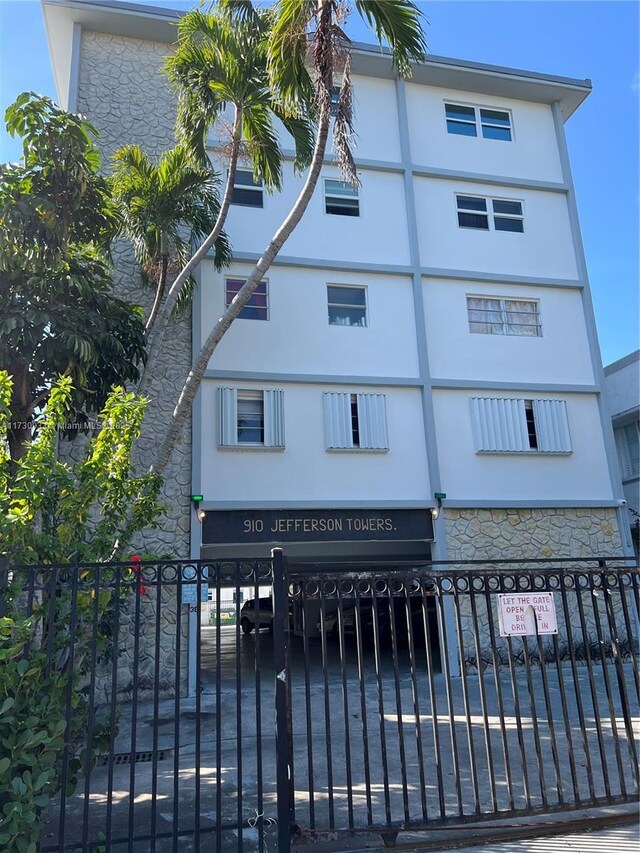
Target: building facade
(424, 346)
(622, 381)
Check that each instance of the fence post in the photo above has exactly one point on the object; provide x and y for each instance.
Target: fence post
(284, 747)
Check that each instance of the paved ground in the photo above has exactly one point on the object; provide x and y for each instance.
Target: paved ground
(356, 725)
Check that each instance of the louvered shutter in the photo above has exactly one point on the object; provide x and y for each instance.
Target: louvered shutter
(372, 421)
(499, 425)
(552, 426)
(274, 418)
(227, 417)
(337, 420)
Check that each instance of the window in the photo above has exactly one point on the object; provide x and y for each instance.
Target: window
(257, 308)
(474, 212)
(355, 421)
(464, 121)
(246, 191)
(461, 120)
(515, 426)
(495, 125)
(341, 198)
(347, 305)
(335, 97)
(250, 418)
(492, 315)
(507, 215)
(628, 441)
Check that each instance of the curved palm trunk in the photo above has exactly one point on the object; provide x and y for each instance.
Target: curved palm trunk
(194, 379)
(157, 302)
(161, 322)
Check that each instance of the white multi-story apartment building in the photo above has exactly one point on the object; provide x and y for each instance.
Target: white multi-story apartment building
(431, 335)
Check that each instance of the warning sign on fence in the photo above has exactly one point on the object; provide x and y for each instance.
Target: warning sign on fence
(517, 613)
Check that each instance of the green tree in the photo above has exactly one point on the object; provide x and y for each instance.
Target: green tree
(57, 312)
(167, 210)
(304, 43)
(219, 67)
(52, 512)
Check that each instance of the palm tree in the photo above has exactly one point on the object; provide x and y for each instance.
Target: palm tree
(305, 33)
(220, 62)
(167, 209)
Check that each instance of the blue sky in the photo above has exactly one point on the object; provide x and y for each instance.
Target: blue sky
(574, 38)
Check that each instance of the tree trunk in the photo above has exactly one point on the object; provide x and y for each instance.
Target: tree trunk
(157, 302)
(164, 315)
(194, 379)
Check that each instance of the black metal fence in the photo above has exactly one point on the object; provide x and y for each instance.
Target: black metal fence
(361, 698)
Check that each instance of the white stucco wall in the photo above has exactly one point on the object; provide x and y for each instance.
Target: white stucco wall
(532, 153)
(467, 475)
(623, 386)
(297, 337)
(377, 236)
(376, 119)
(304, 471)
(559, 355)
(545, 248)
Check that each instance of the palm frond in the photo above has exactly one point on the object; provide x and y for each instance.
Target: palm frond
(287, 51)
(343, 127)
(399, 24)
(262, 145)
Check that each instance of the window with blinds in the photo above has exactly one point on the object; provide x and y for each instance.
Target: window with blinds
(503, 425)
(250, 419)
(628, 442)
(355, 421)
(493, 315)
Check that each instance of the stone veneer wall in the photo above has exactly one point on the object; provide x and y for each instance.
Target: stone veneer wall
(123, 92)
(503, 534)
(485, 534)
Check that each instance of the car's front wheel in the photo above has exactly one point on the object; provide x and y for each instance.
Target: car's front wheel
(246, 626)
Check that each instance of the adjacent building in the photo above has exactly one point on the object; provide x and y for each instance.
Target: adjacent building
(622, 382)
(419, 374)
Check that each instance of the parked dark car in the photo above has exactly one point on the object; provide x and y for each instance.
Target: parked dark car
(384, 619)
(261, 616)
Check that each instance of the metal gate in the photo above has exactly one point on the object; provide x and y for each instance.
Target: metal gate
(354, 699)
(416, 713)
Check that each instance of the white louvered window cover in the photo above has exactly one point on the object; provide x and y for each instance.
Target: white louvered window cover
(355, 421)
(505, 425)
(628, 442)
(249, 419)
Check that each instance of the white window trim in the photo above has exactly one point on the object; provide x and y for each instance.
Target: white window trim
(366, 304)
(266, 281)
(497, 421)
(357, 198)
(272, 423)
(478, 119)
(489, 212)
(503, 311)
(253, 189)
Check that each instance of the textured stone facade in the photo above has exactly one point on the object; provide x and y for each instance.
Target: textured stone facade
(124, 93)
(518, 534)
(536, 534)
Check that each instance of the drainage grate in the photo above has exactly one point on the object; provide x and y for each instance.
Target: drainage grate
(138, 758)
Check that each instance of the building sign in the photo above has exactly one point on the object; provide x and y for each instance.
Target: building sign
(348, 525)
(517, 613)
(190, 593)
(189, 589)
